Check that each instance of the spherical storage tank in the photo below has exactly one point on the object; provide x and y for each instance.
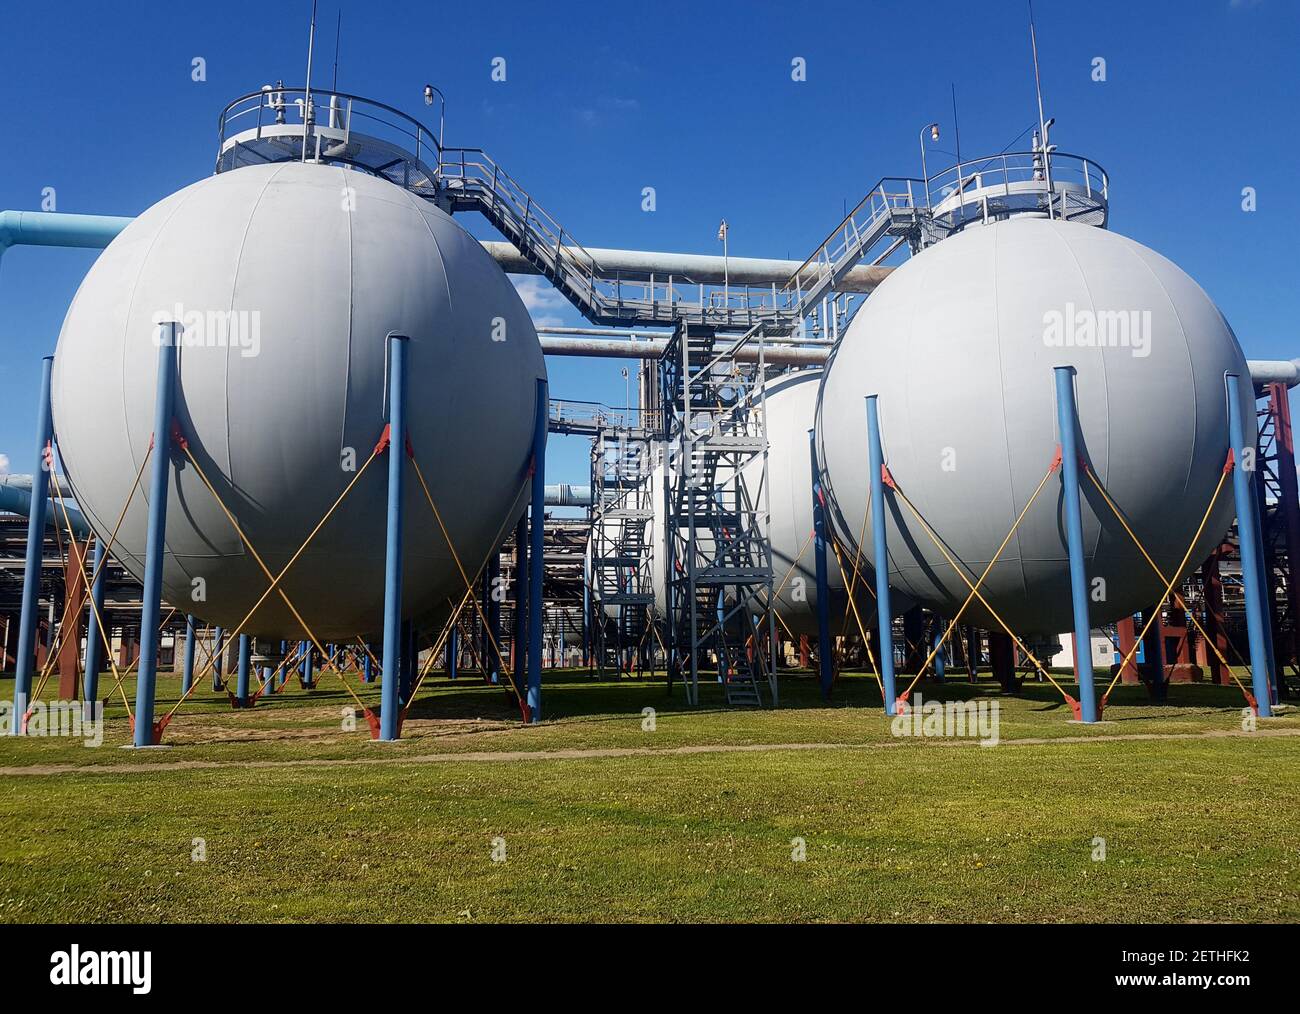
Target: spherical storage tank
(287, 279)
(960, 343)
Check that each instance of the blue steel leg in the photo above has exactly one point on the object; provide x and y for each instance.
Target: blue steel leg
(536, 544)
(29, 618)
(408, 660)
(823, 586)
(392, 667)
(283, 671)
(367, 668)
(96, 639)
(218, 658)
(1252, 568)
(155, 547)
(520, 634)
(493, 610)
(880, 548)
(308, 662)
(453, 651)
(1067, 418)
(187, 670)
(938, 655)
(241, 687)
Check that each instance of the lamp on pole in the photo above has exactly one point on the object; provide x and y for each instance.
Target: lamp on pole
(933, 128)
(726, 272)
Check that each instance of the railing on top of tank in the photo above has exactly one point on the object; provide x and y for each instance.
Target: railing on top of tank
(279, 106)
(1016, 173)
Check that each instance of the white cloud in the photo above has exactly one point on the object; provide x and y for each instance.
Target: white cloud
(541, 300)
(4, 464)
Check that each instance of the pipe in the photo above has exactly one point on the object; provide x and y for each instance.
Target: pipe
(1274, 371)
(708, 269)
(389, 728)
(1248, 536)
(28, 619)
(565, 495)
(155, 545)
(15, 499)
(602, 348)
(1067, 421)
(47, 228)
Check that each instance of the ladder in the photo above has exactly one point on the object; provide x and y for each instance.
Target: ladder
(718, 569)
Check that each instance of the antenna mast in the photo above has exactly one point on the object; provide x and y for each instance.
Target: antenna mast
(338, 30)
(307, 116)
(1042, 123)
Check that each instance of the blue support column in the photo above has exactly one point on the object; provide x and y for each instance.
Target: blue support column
(1252, 567)
(880, 548)
(29, 618)
(493, 610)
(187, 670)
(282, 671)
(155, 547)
(241, 686)
(938, 655)
(218, 659)
(367, 667)
(536, 540)
(392, 664)
(308, 660)
(1067, 420)
(97, 645)
(453, 651)
(824, 661)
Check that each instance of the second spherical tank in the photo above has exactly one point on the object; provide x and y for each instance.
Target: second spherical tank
(288, 279)
(960, 345)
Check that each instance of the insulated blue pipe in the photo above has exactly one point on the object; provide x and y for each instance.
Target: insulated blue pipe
(392, 667)
(35, 544)
(1248, 535)
(48, 228)
(535, 553)
(16, 500)
(1067, 421)
(823, 585)
(218, 658)
(155, 546)
(187, 672)
(96, 639)
(241, 686)
(880, 543)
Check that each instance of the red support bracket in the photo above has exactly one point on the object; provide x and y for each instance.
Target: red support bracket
(900, 706)
(1075, 707)
(385, 439)
(234, 701)
(159, 727)
(886, 477)
(1056, 460)
(1254, 704)
(178, 438)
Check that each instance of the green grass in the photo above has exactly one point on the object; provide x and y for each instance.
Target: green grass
(1198, 826)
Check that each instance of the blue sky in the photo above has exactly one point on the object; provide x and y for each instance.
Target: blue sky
(693, 99)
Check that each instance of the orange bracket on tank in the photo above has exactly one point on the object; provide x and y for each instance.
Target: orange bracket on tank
(159, 727)
(385, 439)
(886, 477)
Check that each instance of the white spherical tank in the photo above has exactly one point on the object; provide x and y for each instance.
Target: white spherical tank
(960, 345)
(287, 279)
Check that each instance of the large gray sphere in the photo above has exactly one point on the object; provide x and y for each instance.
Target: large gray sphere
(329, 261)
(957, 343)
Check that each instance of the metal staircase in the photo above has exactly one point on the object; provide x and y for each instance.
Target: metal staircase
(718, 556)
(620, 578)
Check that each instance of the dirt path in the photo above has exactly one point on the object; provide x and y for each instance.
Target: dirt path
(505, 756)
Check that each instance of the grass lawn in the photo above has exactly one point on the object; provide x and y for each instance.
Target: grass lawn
(303, 818)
